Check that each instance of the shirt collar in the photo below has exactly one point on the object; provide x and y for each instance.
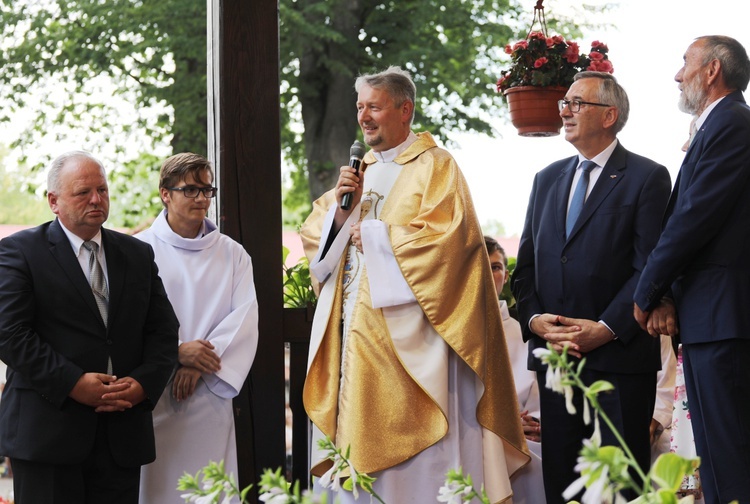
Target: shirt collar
(601, 158)
(702, 118)
(76, 241)
(391, 154)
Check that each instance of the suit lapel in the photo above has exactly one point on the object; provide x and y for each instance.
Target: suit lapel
(564, 183)
(611, 175)
(62, 252)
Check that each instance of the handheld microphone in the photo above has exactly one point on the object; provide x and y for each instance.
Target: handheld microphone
(356, 153)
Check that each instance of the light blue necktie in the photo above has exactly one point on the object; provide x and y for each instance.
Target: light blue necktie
(579, 196)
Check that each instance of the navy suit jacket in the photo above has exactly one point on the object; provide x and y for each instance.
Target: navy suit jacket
(704, 250)
(592, 274)
(51, 333)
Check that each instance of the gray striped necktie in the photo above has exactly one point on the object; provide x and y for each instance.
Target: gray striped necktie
(98, 286)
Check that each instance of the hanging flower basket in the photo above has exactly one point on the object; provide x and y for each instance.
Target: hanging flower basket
(533, 110)
(541, 71)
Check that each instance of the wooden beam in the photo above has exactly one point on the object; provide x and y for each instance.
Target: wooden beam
(244, 143)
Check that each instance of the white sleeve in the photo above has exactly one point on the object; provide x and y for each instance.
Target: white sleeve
(322, 267)
(388, 286)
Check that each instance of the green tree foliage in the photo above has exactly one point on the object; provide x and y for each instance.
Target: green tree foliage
(55, 53)
(155, 51)
(60, 58)
(451, 47)
(20, 204)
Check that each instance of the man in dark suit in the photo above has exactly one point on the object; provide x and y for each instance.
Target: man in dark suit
(580, 255)
(90, 340)
(702, 256)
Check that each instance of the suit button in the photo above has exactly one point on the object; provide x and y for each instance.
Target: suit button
(109, 342)
(563, 259)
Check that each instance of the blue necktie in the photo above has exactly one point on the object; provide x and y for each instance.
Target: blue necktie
(579, 196)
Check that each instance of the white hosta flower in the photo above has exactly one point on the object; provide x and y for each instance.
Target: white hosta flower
(568, 391)
(453, 493)
(542, 354)
(331, 478)
(355, 492)
(274, 496)
(207, 499)
(586, 411)
(596, 437)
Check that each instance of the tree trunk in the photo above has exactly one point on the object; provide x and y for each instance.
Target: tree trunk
(328, 100)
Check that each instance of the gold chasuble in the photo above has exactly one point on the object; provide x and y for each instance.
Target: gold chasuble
(377, 407)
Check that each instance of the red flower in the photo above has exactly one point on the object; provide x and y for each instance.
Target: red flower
(599, 45)
(571, 53)
(601, 66)
(540, 60)
(500, 82)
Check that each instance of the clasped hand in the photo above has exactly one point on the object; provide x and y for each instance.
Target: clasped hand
(661, 320)
(195, 357)
(579, 336)
(106, 393)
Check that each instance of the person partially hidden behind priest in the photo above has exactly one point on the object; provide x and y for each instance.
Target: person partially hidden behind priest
(209, 279)
(408, 365)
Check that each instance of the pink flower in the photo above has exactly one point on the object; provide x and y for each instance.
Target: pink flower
(596, 56)
(522, 44)
(537, 35)
(508, 49)
(556, 39)
(540, 62)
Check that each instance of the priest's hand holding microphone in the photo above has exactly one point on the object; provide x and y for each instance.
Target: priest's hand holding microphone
(349, 191)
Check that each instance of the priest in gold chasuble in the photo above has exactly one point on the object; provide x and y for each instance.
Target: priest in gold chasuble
(408, 364)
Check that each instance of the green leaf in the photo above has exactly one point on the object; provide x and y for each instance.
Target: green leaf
(669, 470)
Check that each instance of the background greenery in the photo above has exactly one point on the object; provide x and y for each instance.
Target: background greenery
(126, 79)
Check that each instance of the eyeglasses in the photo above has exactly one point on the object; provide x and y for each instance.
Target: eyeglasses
(575, 105)
(191, 191)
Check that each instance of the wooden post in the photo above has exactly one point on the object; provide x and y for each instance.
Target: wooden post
(244, 144)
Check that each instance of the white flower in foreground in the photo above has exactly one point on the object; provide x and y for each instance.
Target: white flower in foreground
(331, 478)
(568, 391)
(453, 492)
(355, 492)
(586, 411)
(542, 354)
(274, 496)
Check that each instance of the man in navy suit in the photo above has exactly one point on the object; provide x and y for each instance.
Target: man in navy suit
(578, 267)
(90, 340)
(701, 266)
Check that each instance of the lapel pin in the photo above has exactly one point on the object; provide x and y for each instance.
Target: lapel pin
(613, 176)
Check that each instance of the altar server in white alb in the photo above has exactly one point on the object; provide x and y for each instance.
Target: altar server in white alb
(209, 280)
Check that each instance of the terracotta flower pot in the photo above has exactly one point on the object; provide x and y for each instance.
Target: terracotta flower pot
(533, 110)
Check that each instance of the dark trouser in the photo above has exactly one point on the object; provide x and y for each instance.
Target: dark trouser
(629, 406)
(717, 378)
(97, 480)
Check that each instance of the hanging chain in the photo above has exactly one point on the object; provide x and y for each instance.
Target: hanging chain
(538, 16)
